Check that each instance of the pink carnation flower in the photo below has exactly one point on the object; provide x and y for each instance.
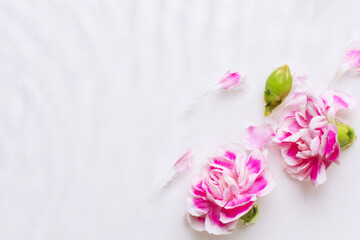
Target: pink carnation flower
(227, 189)
(307, 133)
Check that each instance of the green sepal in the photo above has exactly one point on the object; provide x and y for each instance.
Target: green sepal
(346, 135)
(252, 215)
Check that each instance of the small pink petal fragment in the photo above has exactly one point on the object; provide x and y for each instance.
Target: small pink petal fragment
(257, 137)
(351, 62)
(228, 82)
(231, 80)
(352, 59)
(300, 78)
(183, 163)
(335, 100)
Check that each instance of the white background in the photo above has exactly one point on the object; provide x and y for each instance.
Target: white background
(92, 95)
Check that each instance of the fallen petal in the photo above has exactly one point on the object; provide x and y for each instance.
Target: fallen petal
(352, 60)
(183, 163)
(257, 137)
(231, 81)
(335, 100)
(300, 78)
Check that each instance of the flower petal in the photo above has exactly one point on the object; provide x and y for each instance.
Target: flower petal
(197, 223)
(334, 157)
(222, 162)
(231, 80)
(315, 145)
(336, 100)
(256, 163)
(233, 214)
(239, 200)
(301, 171)
(257, 137)
(213, 190)
(330, 141)
(352, 60)
(293, 137)
(198, 206)
(291, 125)
(318, 123)
(230, 151)
(183, 163)
(197, 189)
(289, 152)
(318, 173)
(300, 119)
(263, 185)
(300, 78)
(214, 226)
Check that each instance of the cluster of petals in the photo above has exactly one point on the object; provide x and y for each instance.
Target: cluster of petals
(227, 188)
(307, 133)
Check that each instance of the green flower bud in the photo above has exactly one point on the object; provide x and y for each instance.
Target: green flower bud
(277, 87)
(252, 215)
(346, 135)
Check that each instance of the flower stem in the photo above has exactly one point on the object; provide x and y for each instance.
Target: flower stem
(334, 79)
(330, 66)
(211, 90)
(163, 184)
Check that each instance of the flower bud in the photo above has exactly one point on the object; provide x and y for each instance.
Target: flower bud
(252, 215)
(278, 86)
(346, 135)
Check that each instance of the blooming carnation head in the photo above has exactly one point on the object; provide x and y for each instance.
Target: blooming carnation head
(308, 135)
(227, 189)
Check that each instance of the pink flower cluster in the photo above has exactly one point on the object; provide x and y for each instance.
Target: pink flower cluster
(227, 189)
(303, 125)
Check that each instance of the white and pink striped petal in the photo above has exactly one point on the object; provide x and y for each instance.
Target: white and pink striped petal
(181, 165)
(336, 100)
(231, 81)
(257, 137)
